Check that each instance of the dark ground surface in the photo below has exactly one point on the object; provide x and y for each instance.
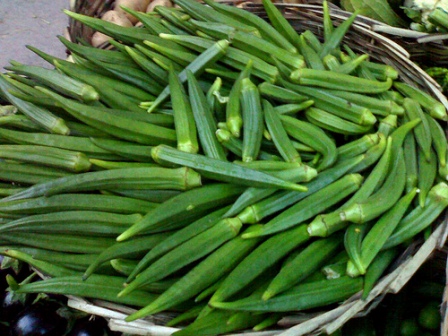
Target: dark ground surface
(31, 22)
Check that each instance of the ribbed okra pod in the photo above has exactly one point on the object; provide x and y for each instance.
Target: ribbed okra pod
(102, 287)
(420, 218)
(127, 178)
(301, 297)
(311, 205)
(39, 115)
(184, 121)
(46, 156)
(92, 223)
(221, 171)
(58, 81)
(253, 120)
(283, 199)
(186, 253)
(203, 61)
(177, 238)
(314, 137)
(309, 260)
(209, 270)
(259, 260)
(339, 81)
(279, 135)
(205, 122)
(133, 248)
(379, 233)
(234, 118)
(383, 199)
(74, 202)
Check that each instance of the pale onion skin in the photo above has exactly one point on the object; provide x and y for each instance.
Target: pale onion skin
(137, 5)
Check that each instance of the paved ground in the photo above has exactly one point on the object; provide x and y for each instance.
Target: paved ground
(31, 22)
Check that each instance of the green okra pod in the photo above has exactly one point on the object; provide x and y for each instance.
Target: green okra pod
(75, 202)
(234, 58)
(259, 260)
(357, 146)
(234, 118)
(422, 131)
(127, 129)
(383, 199)
(439, 141)
(311, 205)
(184, 121)
(301, 297)
(353, 237)
(81, 144)
(147, 65)
(339, 81)
(309, 260)
(203, 61)
(252, 195)
(379, 233)
(333, 123)
(47, 268)
(46, 156)
(125, 149)
(195, 248)
(58, 81)
(128, 178)
(132, 248)
(185, 205)
(209, 270)
(426, 175)
(92, 223)
(280, 93)
(431, 105)
(309, 54)
(339, 106)
(265, 49)
(377, 106)
(325, 224)
(314, 137)
(382, 261)
(205, 123)
(102, 287)
(57, 242)
(419, 218)
(177, 238)
(280, 200)
(267, 31)
(388, 124)
(220, 170)
(29, 173)
(253, 120)
(334, 39)
(411, 161)
(38, 115)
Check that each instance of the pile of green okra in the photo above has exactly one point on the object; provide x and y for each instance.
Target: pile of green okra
(215, 164)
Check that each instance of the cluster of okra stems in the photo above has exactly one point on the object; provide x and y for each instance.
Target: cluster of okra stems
(212, 163)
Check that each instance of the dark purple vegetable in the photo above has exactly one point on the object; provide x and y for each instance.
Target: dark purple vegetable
(95, 326)
(11, 305)
(38, 320)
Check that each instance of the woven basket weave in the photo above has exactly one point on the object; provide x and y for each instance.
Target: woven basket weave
(362, 37)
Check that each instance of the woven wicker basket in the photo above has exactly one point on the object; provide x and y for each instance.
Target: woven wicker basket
(364, 37)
